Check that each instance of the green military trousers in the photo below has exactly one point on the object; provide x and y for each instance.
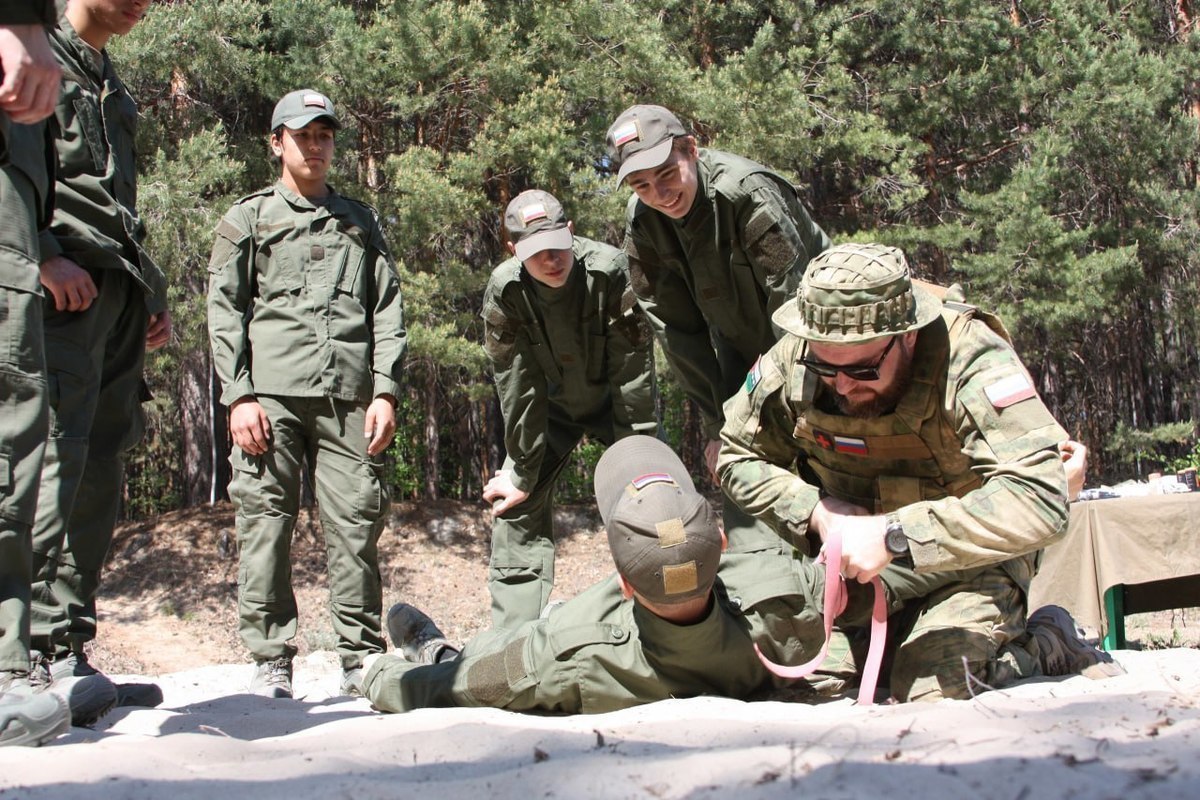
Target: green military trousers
(94, 364)
(23, 417)
(327, 434)
(521, 570)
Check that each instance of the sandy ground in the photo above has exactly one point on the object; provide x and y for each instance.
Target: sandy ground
(1134, 736)
(167, 613)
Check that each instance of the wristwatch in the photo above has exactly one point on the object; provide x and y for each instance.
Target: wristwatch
(893, 537)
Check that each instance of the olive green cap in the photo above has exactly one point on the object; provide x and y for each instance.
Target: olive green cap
(535, 221)
(662, 533)
(641, 138)
(854, 293)
(297, 109)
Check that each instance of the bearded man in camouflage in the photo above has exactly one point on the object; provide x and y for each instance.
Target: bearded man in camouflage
(908, 428)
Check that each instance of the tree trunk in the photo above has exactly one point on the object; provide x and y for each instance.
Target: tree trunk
(196, 418)
(433, 461)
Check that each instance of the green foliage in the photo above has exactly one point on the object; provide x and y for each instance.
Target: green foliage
(1160, 445)
(1042, 153)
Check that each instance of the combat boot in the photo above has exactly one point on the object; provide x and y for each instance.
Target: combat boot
(416, 636)
(75, 664)
(29, 717)
(88, 692)
(352, 681)
(1062, 649)
(273, 678)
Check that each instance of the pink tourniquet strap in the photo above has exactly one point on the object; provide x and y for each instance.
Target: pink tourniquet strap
(835, 604)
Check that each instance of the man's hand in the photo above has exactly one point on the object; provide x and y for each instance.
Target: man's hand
(1074, 458)
(158, 330)
(711, 451)
(31, 73)
(864, 553)
(249, 426)
(70, 284)
(380, 424)
(501, 488)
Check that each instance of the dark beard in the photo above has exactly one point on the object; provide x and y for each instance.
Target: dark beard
(881, 404)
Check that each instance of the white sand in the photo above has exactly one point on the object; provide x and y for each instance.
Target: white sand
(1134, 736)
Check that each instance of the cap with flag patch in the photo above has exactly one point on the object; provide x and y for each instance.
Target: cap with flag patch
(535, 221)
(297, 109)
(641, 138)
(662, 533)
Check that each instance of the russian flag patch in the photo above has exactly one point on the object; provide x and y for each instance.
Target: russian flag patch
(1010, 390)
(532, 213)
(642, 481)
(850, 444)
(627, 133)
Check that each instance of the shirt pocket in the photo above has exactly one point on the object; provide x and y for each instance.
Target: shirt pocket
(279, 271)
(81, 148)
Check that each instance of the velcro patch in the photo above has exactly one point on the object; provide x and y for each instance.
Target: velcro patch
(823, 439)
(754, 375)
(671, 532)
(532, 213)
(680, 578)
(850, 444)
(627, 133)
(642, 481)
(315, 100)
(1010, 390)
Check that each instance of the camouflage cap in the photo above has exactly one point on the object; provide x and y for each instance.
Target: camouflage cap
(854, 293)
(641, 138)
(536, 222)
(297, 109)
(663, 534)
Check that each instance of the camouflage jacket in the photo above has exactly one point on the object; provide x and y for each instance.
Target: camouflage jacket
(967, 459)
(580, 354)
(710, 282)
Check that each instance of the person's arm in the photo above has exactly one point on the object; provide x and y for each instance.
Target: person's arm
(758, 454)
(680, 327)
(230, 294)
(388, 334)
(1011, 440)
(779, 237)
(521, 387)
(629, 354)
(30, 75)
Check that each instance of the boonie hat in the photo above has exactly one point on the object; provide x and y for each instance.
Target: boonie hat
(297, 109)
(854, 293)
(641, 138)
(662, 533)
(536, 222)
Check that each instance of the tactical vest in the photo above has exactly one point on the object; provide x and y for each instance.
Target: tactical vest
(906, 456)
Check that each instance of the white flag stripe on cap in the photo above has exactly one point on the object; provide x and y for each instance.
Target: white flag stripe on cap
(1009, 390)
(314, 100)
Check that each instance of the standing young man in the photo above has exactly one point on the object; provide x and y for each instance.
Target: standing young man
(105, 307)
(29, 80)
(716, 243)
(308, 340)
(572, 357)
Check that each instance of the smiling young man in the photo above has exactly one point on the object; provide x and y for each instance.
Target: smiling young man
(572, 357)
(307, 332)
(909, 429)
(105, 306)
(715, 243)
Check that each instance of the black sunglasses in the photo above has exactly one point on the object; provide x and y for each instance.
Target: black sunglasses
(855, 372)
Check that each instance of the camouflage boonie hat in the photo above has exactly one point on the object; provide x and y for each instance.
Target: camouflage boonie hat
(641, 138)
(297, 109)
(854, 293)
(535, 222)
(663, 534)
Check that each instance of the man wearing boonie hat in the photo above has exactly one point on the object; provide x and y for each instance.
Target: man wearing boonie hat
(655, 630)
(909, 428)
(307, 331)
(572, 358)
(716, 243)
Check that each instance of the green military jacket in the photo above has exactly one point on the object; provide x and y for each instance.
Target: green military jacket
(303, 300)
(967, 459)
(579, 354)
(597, 652)
(95, 223)
(710, 282)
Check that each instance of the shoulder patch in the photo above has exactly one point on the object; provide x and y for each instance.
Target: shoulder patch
(754, 375)
(1010, 390)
